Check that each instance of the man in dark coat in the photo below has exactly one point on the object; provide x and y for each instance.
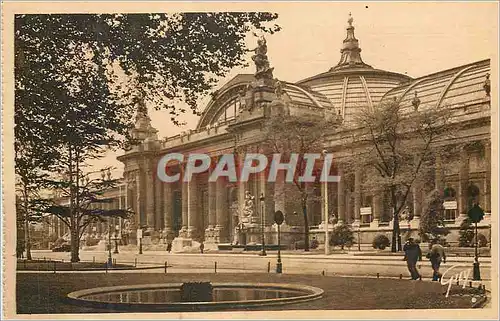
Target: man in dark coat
(413, 253)
(436, 255)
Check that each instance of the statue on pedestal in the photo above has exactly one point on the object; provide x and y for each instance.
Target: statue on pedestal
(261, 61)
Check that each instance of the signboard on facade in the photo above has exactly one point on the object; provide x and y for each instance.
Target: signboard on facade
(450, 205)
(365, 211)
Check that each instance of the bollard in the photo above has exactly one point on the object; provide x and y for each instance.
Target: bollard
(54, 267)
(135, 262)
(165, 267)
(420, 278)
(215, 267)
(401, 276)
(71, 266)
(458, 282)
(378, 275)
(106, 267)
(93, 260)
(323, 272)
(24, 263)
(470, 284)
(268, 267)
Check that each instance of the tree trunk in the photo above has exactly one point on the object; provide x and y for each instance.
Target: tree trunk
(27, 240)
(396, 234)
(306, 225)
(75, 244)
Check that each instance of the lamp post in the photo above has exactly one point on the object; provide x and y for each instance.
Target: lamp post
(278, 219)
(263, 252)
(325, 204)
(476, 214)
(110, 258)
(359, 239)
(116, 239)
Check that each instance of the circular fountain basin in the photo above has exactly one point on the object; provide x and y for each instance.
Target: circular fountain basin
(167, 297)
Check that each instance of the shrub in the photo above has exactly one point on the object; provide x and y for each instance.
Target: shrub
(381, 242)
(466, 234)
(482, 241)
(342, 236)
(314, 244)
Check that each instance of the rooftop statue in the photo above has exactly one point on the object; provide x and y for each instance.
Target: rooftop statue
(261, 61)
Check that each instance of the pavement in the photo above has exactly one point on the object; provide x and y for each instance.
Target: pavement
(350, 264)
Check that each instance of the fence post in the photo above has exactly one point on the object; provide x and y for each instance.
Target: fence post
(93, 260)
(215, 266)
(165, 267)
(268, 267)
(378, 275)
(323, 272)
(106, 267)
(401, 276)
(135, 262)
(54, 267)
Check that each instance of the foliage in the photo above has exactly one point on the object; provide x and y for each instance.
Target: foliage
(78, 78)
(466, 234)
(167, 58)
(397, 146)
(288, 134)
(342, 235)
(432, 223)
(381, 242)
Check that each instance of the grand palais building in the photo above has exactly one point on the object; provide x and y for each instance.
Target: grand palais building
(212, 212)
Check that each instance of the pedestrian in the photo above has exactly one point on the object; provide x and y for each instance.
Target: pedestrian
(436, 255)
(202, 247)
(169, 247)
(413, 253)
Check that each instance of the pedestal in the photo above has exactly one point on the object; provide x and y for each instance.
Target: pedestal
(415, 222)
(179, 243)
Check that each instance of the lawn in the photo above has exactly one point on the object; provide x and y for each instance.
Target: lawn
(42, 293)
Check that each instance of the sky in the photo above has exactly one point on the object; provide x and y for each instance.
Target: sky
(409, 38)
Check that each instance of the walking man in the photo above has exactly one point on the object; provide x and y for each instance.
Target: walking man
(436, 255)
(413, 253)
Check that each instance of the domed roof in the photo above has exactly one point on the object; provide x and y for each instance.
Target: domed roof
(353, 84)
(463, 85)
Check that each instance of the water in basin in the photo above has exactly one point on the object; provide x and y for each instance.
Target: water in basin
(174, 295)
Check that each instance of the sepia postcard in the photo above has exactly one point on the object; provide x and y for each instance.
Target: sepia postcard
(249, 160)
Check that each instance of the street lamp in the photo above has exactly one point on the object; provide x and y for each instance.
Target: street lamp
(116, 239)
(359, 239)
(263, 252)
(476, 214)
(110, 258)
(327, 243)
(278, 219)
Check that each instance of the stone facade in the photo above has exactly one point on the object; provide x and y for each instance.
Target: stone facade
(214, 212)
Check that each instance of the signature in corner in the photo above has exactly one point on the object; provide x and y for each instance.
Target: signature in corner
(460, 278)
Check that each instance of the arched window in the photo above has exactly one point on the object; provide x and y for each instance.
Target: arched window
(472, 195)
(229, 111)
(450, 204)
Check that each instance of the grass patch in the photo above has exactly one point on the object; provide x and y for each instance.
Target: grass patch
(45, 293)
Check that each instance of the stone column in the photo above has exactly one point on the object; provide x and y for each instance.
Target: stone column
(211, 205)
(357, 197)
(463, 181)
(159, 203)
(192, 206)
(140, 221)
(348, 207)
(310, 203)
(222, 219)
(184, 195)
(168, 207)
(487, 180)
(341, 197)
(376, 208)
(150, 201)
(439, 174)
(417, 192)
